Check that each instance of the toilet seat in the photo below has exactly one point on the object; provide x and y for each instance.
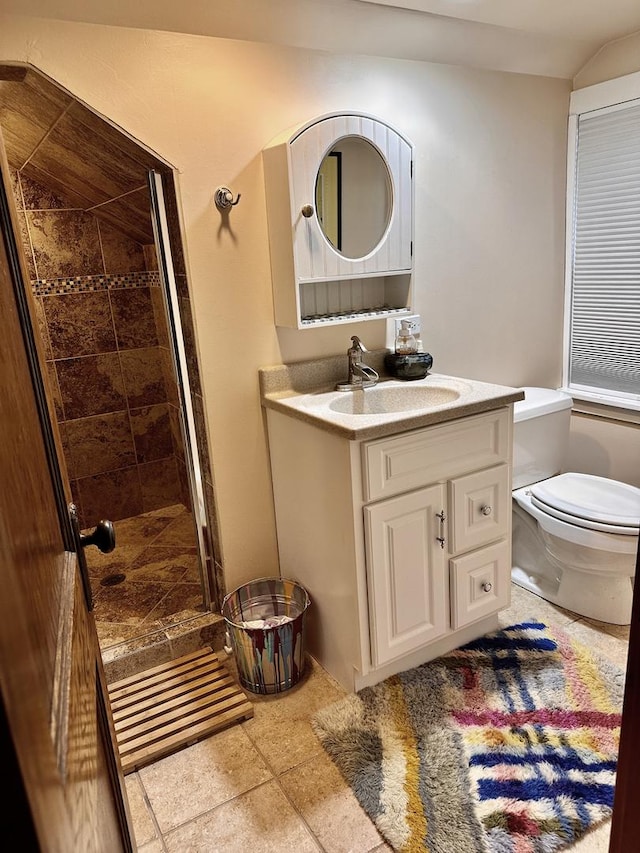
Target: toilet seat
(594, 503)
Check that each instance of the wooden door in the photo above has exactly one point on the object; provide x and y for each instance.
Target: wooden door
(66, 785)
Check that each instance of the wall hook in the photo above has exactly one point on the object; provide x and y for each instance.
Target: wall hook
(224, 198)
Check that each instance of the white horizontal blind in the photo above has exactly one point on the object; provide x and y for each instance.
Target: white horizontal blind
(605, 296)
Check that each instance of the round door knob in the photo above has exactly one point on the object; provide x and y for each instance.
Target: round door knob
(103, 537)
(486, 510)
(307, 210)
(487, 587)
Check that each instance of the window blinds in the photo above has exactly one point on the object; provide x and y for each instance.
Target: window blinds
(605, 297)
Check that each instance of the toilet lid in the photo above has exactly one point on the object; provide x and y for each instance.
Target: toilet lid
(588, 501)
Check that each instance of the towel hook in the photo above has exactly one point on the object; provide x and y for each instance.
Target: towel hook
(224, 198)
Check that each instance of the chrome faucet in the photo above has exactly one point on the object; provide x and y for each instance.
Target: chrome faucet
(360, 375)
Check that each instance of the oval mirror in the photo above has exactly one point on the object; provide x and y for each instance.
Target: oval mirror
(353, 196)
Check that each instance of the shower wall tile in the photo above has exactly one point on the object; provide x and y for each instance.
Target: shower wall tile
(26, 244)
(201, 434)
(91, 385)
(176, 432)
(38, 197)
(101, 443)
(79, 324)
(150, 256)
(151, 429)
(188, 333)
(160, 484)
(54, 389)
(65, 243)
(183, 480)
(41, 327)
(143, 377)
(120, 253)
(67, 458)
(159, 316)
(133, 317)
(113, 495)
(169, 376)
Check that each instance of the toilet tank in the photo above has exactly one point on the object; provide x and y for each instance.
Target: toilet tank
(540, 435)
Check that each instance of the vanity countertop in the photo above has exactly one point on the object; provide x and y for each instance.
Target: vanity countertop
(306, 390)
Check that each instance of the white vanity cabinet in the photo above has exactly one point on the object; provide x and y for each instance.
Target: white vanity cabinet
(403, 542)
(339, 194)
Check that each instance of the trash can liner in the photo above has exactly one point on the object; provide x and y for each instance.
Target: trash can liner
(265, 622)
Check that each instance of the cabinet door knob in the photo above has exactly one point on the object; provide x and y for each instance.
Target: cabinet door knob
(307, 210)
(486, 510)
(487, 587)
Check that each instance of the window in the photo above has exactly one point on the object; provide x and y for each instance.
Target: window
(602, 320)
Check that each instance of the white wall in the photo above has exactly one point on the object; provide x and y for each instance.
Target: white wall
(490, 183)
(614, 60)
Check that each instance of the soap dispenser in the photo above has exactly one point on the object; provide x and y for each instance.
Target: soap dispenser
(406, 343)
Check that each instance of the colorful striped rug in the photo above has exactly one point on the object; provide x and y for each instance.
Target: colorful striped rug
(506, 745)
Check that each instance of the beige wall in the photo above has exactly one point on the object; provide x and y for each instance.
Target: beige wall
(489, 236)
(614, 60)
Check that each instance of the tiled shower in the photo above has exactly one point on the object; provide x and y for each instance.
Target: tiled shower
(84, 222)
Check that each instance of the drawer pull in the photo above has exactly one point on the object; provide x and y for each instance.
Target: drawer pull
(487, 587)
(486, 510)
(442, 518)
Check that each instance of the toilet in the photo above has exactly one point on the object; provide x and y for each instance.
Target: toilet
(575, 536)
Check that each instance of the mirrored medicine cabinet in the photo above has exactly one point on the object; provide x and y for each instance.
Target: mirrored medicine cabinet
(340, 211)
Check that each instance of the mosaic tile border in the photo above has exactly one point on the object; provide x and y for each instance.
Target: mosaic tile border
(90, 283)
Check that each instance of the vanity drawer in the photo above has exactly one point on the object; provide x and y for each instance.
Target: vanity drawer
(479, 583)
(479, 507)
(415, 459)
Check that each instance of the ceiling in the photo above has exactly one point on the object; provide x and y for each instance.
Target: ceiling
(56, 141)
(548, 37)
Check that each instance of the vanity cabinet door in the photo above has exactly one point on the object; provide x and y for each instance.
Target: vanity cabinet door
(480, 583)
(407, 587)
(479, 506)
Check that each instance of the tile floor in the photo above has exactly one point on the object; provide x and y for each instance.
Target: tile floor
(158, 556)
(267, 784)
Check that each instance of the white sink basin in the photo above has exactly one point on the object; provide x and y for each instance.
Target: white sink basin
(382, 400)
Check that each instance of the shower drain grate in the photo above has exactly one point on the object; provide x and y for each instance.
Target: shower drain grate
(173, 705)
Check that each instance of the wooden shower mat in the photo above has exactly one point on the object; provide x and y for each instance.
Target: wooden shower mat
(172, 705)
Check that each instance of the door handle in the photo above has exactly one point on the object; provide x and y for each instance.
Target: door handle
(103, 537)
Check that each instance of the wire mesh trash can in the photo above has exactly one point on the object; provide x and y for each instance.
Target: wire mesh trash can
(265, 622)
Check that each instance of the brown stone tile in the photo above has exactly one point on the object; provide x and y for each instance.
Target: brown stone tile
(101, 443)
(65, 243)
(25, 242)
(212, 516)
(176, 431)
(143, 377)
(169, 563)
(169, 376)
(65, 450)
(41, 327)
(112, 495)
(39, 197)
(152, 432)
(120, 253)
(173, 223)
(14, 178)
(150, 256)
(91, 385)
(100, 565)
(190, 347)
(201, 436)
(160, 485)
(141, 530)
(185, 486)
(179, 532)
(182, 286)
(159, 316)
(79, 324)
(52, 387)
(182, 597)
(133, 317)
(128, 602)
